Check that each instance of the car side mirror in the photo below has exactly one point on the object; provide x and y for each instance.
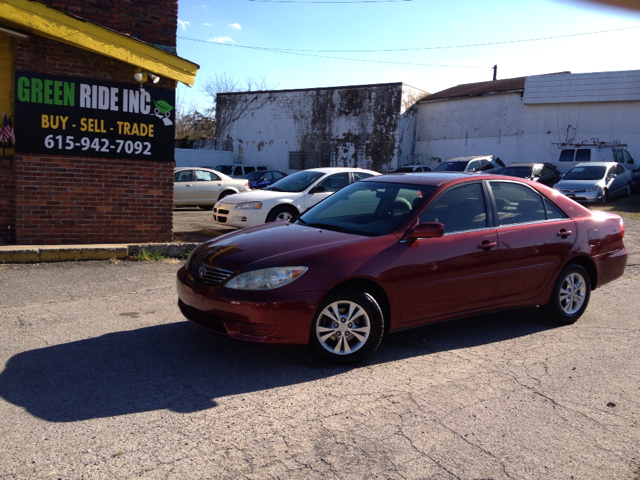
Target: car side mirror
(317, 189)
(612, 176)
(427, 230)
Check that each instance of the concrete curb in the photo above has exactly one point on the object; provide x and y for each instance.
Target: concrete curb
(66, 253)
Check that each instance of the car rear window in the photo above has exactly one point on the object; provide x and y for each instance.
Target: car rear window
(451, 167)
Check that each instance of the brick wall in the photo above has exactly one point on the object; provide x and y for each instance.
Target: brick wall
(7, 197)
(152, 21)
(76, 200)
(87, 200)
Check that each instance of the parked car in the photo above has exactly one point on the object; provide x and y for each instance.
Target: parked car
(572, 154)
(239, 170)
(261, 179)
(203, 187)
(595, 182)
(484, 164)
(287, 197)
(413, 169)
(397, 251)
(545, 173)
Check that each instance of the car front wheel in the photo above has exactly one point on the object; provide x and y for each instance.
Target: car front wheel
(281, 212)
(605, 197)
(570, 296)
(347, 328)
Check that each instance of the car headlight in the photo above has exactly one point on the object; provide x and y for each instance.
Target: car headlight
(592, 189)
(266, 278)
(249, 205)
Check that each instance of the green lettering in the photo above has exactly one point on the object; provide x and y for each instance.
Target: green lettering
(69, 94)
(57, 92)
(36, 90)
(23, 89)
(48, 91)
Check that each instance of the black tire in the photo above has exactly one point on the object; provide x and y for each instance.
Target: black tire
(570, 296)
(206, 207)
(281, 212)
(352, 337)
(627, 192)
(605, 197)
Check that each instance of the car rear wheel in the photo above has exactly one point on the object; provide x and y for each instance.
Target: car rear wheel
(570, 296)
(281, 212)
(225, 194)
(347, 328)
(206, 207)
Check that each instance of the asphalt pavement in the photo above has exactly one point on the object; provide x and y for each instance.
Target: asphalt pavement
(102, 378)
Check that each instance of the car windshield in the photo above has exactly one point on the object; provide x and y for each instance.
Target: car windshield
(226, 169)
(253, 175)
(297, 182)
(586, 173)
(451, 167)
(367, 208)
(522, 172)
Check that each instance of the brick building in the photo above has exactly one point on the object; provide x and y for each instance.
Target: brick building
(93, 154)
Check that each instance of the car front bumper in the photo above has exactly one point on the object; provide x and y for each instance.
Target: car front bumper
(226, 214)
(276, 316)
(583, 196)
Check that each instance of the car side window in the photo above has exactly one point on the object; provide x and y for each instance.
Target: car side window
(458, 209)
(567, 155)
(583, 155)
(517, 203)
(204, 176)
(249, 170)
(335, 182)
(546, 170)
(183, 176)
(486, 165)
(360, 175)
(619, 169)
(627, 157)
(553, 212)
(277, 175)
(238, 171)
(473, 166)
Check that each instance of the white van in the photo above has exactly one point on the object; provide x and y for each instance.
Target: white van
(571, 154)
(238, 170)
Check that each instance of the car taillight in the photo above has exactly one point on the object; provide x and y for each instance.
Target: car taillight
(246, 184)
(622, 227)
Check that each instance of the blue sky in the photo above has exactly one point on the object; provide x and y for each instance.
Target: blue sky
(393, 25)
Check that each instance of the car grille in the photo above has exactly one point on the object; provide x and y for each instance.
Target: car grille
(201, 318)
(219, 215)
(208, 275)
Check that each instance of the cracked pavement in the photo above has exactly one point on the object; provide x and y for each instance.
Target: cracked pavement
(102, 378)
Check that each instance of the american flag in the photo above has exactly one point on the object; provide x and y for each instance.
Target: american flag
(9, 133)
(3, 134)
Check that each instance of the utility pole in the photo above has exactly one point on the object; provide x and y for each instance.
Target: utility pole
(495, 72)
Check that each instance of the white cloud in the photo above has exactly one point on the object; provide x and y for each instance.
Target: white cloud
(235, 25)
(221, 39)
(207, 25)
(183, 24)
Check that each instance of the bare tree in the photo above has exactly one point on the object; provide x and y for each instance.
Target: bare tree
(228, 109)
(193, 123)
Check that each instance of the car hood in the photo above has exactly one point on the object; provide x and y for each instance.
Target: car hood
(258, 196)
(578, 184)
(273, 244)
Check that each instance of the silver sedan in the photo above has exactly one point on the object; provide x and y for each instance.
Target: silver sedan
(595, 182)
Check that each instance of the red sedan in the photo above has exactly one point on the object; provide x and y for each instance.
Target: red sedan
(396, 251)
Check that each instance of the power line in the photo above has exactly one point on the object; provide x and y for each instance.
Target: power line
(294, 52)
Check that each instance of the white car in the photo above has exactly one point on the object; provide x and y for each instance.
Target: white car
(203, 187)
(286, 198)
(595, 182)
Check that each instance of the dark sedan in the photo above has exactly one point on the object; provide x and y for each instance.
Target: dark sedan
(397, 251)
(545, 173)
(261, 179)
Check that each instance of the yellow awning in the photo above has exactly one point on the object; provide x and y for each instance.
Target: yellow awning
(38, 19)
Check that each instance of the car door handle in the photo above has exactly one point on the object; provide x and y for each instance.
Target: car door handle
(188, 185)
(564, 233)
(486, 245)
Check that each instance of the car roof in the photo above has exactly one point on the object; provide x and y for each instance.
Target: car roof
(527, 164)
(338, 169)
(466, 159)
(177, 169)
(427, 178)
(596, 164)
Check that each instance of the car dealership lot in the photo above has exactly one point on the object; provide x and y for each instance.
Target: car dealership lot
(101, 377)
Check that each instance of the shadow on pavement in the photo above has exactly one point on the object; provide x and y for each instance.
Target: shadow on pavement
(184, 369)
